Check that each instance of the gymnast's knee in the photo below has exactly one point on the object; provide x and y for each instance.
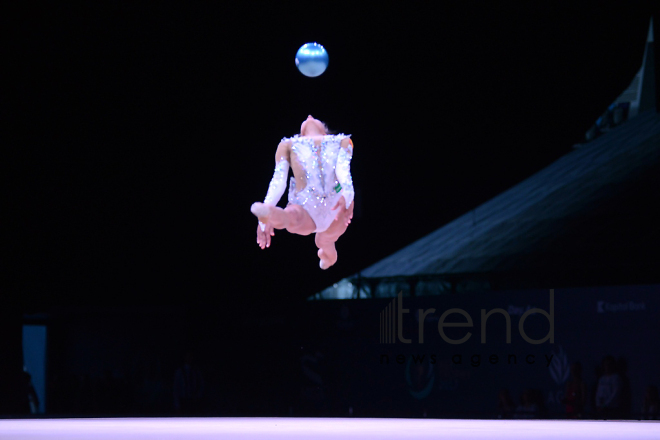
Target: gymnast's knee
(295, 216)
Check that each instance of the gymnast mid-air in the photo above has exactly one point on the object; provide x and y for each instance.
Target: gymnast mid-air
(320, 191)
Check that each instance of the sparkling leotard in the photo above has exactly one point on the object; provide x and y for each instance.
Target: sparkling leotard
(323, 189)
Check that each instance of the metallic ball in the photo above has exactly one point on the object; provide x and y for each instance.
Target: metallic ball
(312, 59)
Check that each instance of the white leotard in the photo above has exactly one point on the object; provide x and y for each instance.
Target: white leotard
(327, 172)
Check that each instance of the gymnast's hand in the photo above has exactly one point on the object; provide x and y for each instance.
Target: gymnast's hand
(263, 237)
(343, 214)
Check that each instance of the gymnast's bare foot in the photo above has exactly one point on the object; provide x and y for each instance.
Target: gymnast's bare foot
(326, 260)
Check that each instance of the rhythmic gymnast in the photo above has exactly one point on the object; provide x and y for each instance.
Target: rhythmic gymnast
(320, 191)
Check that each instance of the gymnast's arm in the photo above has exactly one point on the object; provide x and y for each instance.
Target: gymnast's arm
(278, 182)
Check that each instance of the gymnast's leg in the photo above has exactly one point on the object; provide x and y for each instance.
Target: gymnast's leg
(293, 218)
(326, 240)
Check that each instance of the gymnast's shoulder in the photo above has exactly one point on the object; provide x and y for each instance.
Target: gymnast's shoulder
(345, 141)
(283, 149)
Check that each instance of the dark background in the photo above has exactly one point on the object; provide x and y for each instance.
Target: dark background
(325, 358)
(138, 135)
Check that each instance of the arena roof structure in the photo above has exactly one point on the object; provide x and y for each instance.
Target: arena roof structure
(586, 219)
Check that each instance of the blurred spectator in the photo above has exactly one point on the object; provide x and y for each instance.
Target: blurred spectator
(537, 399)
(527, 409)
(576, 393)
(151, 392)
(651, 405)
(598, 372)
(29, 402)
(32, 394)
(188, 388)
(626, 391)
(313, 393)
(505, 404)
(608, 392)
